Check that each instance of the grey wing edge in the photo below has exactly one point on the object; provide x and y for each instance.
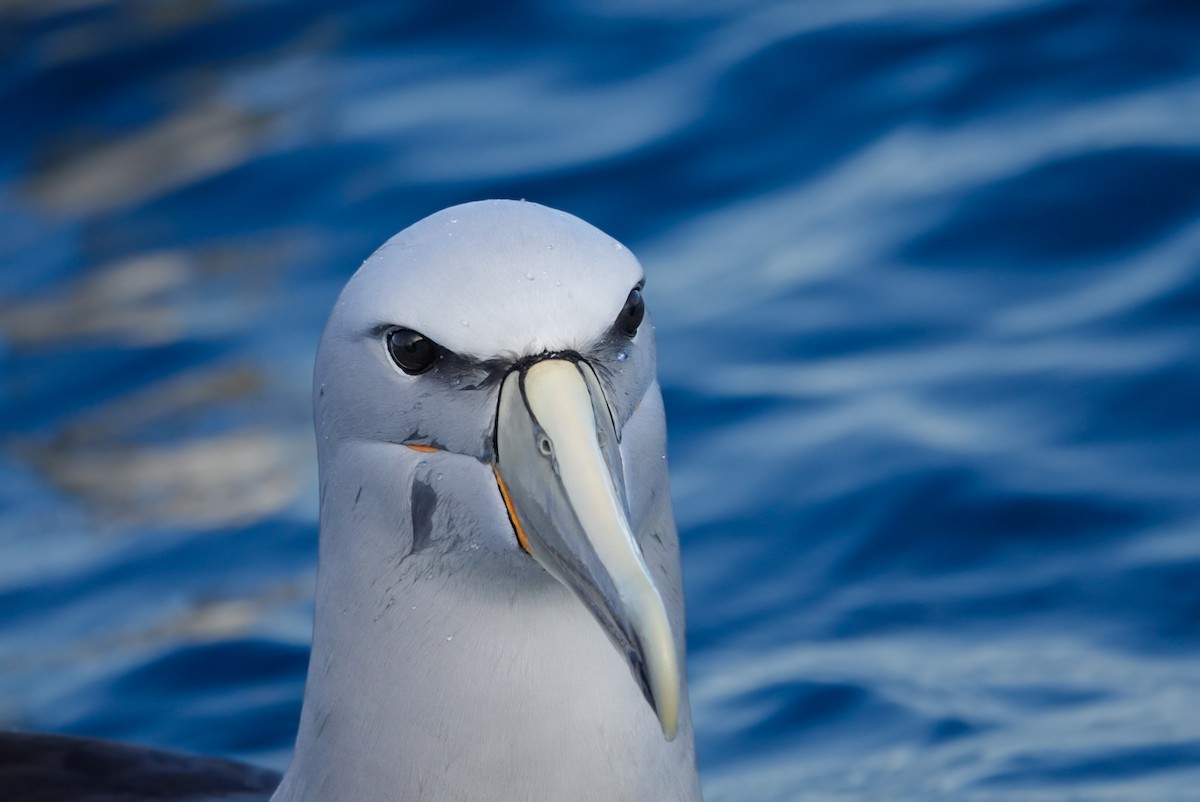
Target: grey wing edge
(62, 768)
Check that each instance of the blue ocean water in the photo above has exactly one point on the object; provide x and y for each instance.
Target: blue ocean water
(926, 277)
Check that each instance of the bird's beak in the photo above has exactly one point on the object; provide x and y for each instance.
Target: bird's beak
(559, 470)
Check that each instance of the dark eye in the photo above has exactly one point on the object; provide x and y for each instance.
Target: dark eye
(413, 352)
(633, 312)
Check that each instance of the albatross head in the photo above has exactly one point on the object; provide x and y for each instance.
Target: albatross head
(512, 340)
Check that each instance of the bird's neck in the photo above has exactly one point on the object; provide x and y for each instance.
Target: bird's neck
(460, 669)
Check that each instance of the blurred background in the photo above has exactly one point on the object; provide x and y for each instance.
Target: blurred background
(926, 276)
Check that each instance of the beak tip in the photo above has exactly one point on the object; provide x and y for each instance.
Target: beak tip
(665, 703)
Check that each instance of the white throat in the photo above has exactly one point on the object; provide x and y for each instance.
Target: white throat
(444, 662)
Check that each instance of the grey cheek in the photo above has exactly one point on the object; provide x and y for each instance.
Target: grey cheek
(423, 502)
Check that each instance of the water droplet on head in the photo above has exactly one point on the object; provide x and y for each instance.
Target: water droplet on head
(549, 247)
(529, 276)
(457, 380)
(449, 637)
(466, 323)
(438, 477)
(622, 356)
(617, 246)
(453, 219)
(557, 283)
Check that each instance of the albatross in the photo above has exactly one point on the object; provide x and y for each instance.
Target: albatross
(499, 606)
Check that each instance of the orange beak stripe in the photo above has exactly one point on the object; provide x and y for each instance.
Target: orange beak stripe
(512, 512)
(421, 448)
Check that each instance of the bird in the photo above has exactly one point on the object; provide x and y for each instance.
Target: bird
(499, 606)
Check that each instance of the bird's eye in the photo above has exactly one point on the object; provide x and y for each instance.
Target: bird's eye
(413, 352)
(633, 312)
